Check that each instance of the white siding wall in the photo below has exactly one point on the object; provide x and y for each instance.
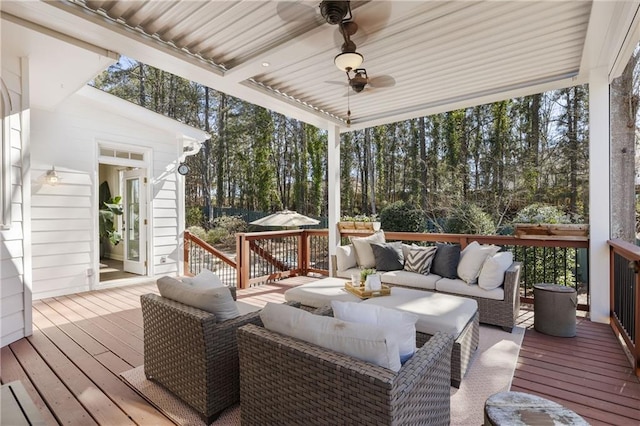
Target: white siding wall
(15, 305)
(167, 224)
(65, 234)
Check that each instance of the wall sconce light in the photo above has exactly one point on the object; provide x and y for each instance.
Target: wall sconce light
(52, 177)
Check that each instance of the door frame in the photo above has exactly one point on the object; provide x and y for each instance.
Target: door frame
(146, 164)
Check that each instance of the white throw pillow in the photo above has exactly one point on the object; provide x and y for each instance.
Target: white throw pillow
(363, 341)
(217, 300)
(205, 279)
(345, 257)
(492, 273)
(364, 252)
(471, 260)
(401, 325)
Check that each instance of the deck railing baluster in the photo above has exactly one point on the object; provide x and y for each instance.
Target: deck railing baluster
(625, 296)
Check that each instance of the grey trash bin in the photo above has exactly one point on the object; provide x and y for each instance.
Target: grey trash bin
(555, 309)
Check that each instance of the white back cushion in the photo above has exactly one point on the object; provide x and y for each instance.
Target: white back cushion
(217, 300)
(363, 341)
(205, 279)
(401, 325)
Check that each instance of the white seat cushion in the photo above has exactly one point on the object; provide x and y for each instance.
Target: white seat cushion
(435, 311)
(320, 293)
(363, 341)
(410, 279)
(463, 289)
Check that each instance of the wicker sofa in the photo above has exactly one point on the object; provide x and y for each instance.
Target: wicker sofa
(500, 312)
(192, 354)
(287, 381)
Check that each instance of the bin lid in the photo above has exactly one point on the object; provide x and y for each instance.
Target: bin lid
(554, 287)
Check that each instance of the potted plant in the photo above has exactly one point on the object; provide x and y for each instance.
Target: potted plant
(539, 221)
(359, 223)
(364, 274)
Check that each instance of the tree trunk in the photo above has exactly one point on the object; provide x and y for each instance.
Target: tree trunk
(422, 141)
(206, 160)
(623, 108)
(221, 150)
(370, 169)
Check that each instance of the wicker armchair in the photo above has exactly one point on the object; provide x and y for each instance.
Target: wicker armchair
(287, 381)
(191, 354)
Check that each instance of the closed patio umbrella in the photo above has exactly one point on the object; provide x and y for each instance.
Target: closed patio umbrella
(285, 218)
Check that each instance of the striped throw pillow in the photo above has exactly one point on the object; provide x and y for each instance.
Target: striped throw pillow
(419, 259)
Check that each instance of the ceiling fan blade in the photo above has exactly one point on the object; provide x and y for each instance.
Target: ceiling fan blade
(382, 81)
(291, 11)
(339, 83)
(371, 18)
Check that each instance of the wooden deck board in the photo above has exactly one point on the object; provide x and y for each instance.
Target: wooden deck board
(588, 373)
(86, 340)
(11, 371)
(54, 391)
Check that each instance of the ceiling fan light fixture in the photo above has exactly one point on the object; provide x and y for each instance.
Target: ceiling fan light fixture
(347, 61)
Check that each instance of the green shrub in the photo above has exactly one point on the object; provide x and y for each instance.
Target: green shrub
(469, 219)
(217, 236)
(231, 224)
(541, 213)
(402, 217)
(198, 231)
(194, 216)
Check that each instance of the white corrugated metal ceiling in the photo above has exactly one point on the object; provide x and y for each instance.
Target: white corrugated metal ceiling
(441, 54)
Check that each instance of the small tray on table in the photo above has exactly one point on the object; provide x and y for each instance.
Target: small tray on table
(362, 293)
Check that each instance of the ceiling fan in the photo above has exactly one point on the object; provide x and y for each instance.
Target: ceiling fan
(349, 60)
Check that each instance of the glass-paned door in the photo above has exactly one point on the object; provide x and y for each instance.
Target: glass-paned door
(135, 222)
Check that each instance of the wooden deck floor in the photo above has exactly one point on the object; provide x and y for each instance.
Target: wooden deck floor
(81, 342)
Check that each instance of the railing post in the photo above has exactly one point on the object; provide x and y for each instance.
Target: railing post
(242, 253)
(185, 252)
(303, 252)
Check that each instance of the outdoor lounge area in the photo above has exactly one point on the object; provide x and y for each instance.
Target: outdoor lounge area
(75, 349)
(70, 367)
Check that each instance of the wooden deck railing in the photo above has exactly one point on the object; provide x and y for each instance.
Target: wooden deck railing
(267, 256)
(625, 295)
(199, 255)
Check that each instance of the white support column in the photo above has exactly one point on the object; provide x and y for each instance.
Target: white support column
(333, 165)
(599, 194)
